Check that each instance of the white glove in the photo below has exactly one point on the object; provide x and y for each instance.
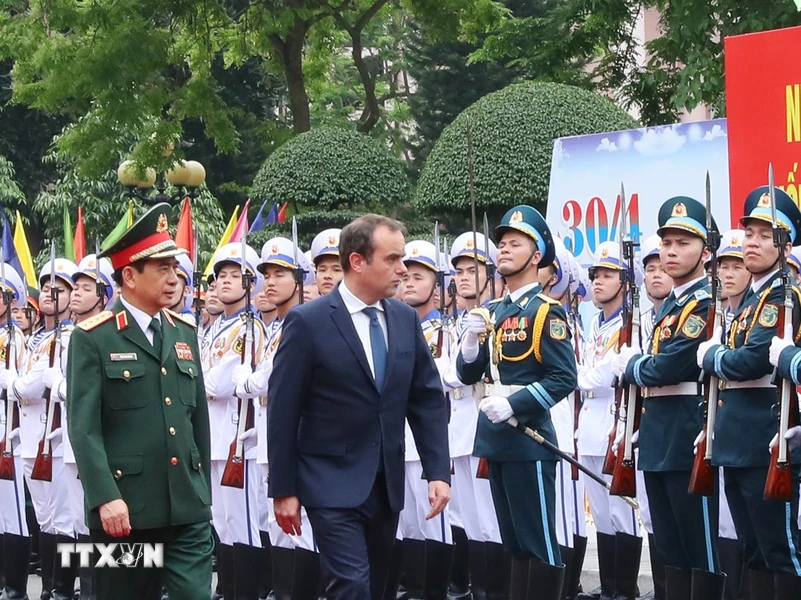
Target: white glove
(703, 348)
(698, 439)
(7, 378)
(51, 378)
(793, 437)
(55, 437)
(14, 434)
(475, 326)
(497, 408)
(621, 436)
(248, 438)
(240, 374)
(621, 361)
(777, 344)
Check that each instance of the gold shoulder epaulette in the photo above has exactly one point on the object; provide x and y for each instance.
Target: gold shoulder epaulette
(98, 319)
(548, 299)
(181, 318)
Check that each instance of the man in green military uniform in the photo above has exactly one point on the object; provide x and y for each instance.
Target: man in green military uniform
(138, 418)
(529, 358)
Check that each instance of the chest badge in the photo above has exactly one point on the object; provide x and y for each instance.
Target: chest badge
(183, 351)
(514, 329)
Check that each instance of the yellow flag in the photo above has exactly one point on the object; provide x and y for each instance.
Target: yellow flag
(226, 236)
(24, 253)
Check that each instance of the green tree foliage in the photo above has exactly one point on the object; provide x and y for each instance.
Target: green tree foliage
(11, 196)
(684, 66)
(512, 144)
(328, 175)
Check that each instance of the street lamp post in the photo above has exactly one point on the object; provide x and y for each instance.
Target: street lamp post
(187, 176)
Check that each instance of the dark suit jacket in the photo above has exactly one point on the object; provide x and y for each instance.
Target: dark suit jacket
(327, 420)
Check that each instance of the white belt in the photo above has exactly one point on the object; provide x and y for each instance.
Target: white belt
(763, 382)
(476, 391)
(498, 389)
(688, 388)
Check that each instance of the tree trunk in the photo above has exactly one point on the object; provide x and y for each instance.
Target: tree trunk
(291, 52)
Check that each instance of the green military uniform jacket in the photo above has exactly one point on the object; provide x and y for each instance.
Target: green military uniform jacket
(139, 422)
(532, 346)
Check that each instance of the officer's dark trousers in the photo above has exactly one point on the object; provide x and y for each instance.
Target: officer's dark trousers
(768, 529)
(524, 495)
(186, 574)
(685, 525)
(356, 545)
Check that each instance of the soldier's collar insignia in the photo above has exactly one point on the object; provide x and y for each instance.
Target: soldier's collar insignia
(122, 320)
(169, 318)
(161, 225)
(517, 217)
(764, 201)
(679, 210)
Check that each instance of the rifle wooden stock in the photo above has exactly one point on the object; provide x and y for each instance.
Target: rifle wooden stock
(611, 459)
(6, 460)
(702, 477)
(43, 465)
(779, 484)
(12, 421)
(574, 472)
(482, 472)
(624, 477)
(234, 472)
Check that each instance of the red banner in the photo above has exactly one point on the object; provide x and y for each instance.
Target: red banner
(763, 106)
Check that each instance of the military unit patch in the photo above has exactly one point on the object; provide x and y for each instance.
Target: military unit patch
(558, 329)
(769, 315)
(693, 326)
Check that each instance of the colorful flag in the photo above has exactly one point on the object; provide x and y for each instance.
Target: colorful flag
(9, 251)
(273, 216)
(185, 234)
(241, 227)
(282, 213)
(24, 258)
(79, 241)
(226, 237)
(120, 228)
(69, 250)
(258, 222)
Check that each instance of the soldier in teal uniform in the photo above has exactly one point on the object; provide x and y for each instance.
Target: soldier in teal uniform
(685, 525)
(747, 415)
(138, 418)
(528, 360)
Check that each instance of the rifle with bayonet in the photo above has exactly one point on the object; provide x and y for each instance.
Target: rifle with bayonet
(490, 264)
(11, 408)
(197, 281)
(624, 338)
(439, 284)
(43, 465)
(704, 475)
(234, 473)
(577, 402)
(624, 482)
(300, 274)
(779, 485)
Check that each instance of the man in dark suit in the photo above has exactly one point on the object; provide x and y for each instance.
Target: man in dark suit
(350, 368)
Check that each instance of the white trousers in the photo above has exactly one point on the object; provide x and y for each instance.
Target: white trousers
(12, 502)
(269, 524)
(579, 514)
(565, 514)
(471, 504)
(610, 513)
(412, 523)
(234, 511)
(725, 522)
(50, 499)
(76, 498)
(642, 500)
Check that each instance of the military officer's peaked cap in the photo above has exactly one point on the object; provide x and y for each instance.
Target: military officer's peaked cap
(63, 268)
(731, 244)
(685, 214)
(649, 248)
(794, 258)
(529, 221)
(281, 252)
(148, 238)
(89, 267)
(325, 243)
(608, 256)
(185, 269)
(14, 284)
(423, 253)
(788, 215)
(464, 245)
(232, 253)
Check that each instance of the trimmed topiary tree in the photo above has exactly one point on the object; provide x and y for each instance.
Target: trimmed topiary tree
(329, 175)
(512, 136)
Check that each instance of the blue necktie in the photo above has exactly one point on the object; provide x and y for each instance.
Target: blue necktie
(378, 345)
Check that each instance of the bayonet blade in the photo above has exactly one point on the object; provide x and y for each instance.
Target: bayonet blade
(295, 241)
(622, 233)
(437, 256)
(772, 193)
(53, 268)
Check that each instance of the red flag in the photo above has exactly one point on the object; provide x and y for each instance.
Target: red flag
(185, 234)
(241, 227)
(79, 240)
(282, 213)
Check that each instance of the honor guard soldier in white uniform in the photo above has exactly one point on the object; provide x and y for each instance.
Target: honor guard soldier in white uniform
(471, 498)
(89, 297)
(295, 561)
(427, 544)
(530, 361)
(40, 407)
(16, 537)
(325, 256)
(618, 530)
(235, 511)
(182, 296)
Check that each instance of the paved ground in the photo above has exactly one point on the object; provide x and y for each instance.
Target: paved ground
(589, 576)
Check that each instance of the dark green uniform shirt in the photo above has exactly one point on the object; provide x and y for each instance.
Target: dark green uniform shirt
(138, 421)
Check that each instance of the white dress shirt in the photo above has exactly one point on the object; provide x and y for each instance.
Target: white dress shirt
(141, 317)
(518, 293)
(757, 285)
(361, 321)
